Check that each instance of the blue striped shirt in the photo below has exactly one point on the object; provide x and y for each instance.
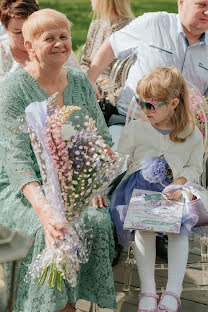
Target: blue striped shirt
(158, 39)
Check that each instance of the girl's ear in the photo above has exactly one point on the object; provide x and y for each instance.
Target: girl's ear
(28, 47)
(174, 103)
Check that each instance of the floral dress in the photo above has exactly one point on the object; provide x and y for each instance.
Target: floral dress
(99, 30)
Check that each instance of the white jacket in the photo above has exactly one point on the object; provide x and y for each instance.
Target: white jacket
(141, 140)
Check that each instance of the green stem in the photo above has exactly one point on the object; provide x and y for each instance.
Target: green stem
(59, 281)
(44, 277)
(40, 279)
(50, 275)
(54, 275)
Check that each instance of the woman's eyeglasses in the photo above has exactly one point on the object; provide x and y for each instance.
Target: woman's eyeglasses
(153, 107)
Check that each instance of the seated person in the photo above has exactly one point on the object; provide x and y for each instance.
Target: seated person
(184, 45)
(22, 202)
(111, 15)
(12, 52)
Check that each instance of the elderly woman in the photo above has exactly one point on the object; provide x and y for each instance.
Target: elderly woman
(47, 41)
(12, 51)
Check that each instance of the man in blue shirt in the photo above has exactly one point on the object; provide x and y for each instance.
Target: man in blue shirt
(160, 39)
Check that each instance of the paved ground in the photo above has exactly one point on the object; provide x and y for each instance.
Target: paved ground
(194, 296)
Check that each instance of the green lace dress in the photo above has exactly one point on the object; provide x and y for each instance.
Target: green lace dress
(18, 167)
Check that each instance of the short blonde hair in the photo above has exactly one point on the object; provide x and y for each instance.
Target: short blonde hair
(110, 9)
(165, 84)
(41, 21)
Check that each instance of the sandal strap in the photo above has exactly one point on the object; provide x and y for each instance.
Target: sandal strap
(145, 294)
(170, 293)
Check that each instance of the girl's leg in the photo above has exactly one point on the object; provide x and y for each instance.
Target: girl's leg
(178, 248)
(145, 252)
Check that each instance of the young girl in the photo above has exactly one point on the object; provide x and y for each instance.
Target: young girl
(167, 131)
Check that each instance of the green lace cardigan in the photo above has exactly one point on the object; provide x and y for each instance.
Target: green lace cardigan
(18, 167)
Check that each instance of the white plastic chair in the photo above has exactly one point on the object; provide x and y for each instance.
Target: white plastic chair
(121, 67)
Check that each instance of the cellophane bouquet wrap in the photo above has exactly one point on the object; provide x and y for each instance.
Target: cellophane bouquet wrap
(200, 113)
(75, 166)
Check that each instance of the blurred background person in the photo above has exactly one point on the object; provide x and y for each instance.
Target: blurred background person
(111, 15)
(12, 52)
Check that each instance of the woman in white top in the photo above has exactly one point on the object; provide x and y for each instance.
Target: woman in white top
(12, 52)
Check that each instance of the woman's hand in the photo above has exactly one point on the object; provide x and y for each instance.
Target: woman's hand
(109, 151)
(99, 201)
(96, 89)
(53, 229)
(177, 194)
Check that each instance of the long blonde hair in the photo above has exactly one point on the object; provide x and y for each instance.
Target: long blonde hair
(111, 9)
(166, 84)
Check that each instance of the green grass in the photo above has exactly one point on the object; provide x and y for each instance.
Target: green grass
(80, 14)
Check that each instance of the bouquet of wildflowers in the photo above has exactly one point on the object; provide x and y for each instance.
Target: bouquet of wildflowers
(75, 165)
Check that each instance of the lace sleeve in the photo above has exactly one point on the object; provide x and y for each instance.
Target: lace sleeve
(126, 143)
(96, 113)
(193, 168)
(15, 145)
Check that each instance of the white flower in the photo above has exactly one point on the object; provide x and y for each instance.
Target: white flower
(67, 130)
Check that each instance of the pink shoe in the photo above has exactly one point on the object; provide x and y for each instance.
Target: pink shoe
(148, 295)
(162, 308)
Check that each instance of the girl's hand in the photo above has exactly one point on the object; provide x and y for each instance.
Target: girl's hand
(177, 194)
(99, 201)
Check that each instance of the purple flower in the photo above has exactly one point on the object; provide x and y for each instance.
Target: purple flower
(154, 169)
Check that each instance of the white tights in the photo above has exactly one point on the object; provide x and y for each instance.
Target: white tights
(145, 252)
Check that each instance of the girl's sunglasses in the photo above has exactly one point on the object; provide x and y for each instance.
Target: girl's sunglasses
(153, 107)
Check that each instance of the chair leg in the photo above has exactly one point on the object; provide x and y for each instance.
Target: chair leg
(204, 248)
(16, 267)
(11, 296)
(95, 307)
(128, 268)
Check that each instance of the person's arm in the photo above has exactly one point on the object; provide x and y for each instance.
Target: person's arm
(126, 144)
(193, 168)
(177, 194)
(102, 59)
(85, 61)
(53, 228)
(95, 111)
(19, 161)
